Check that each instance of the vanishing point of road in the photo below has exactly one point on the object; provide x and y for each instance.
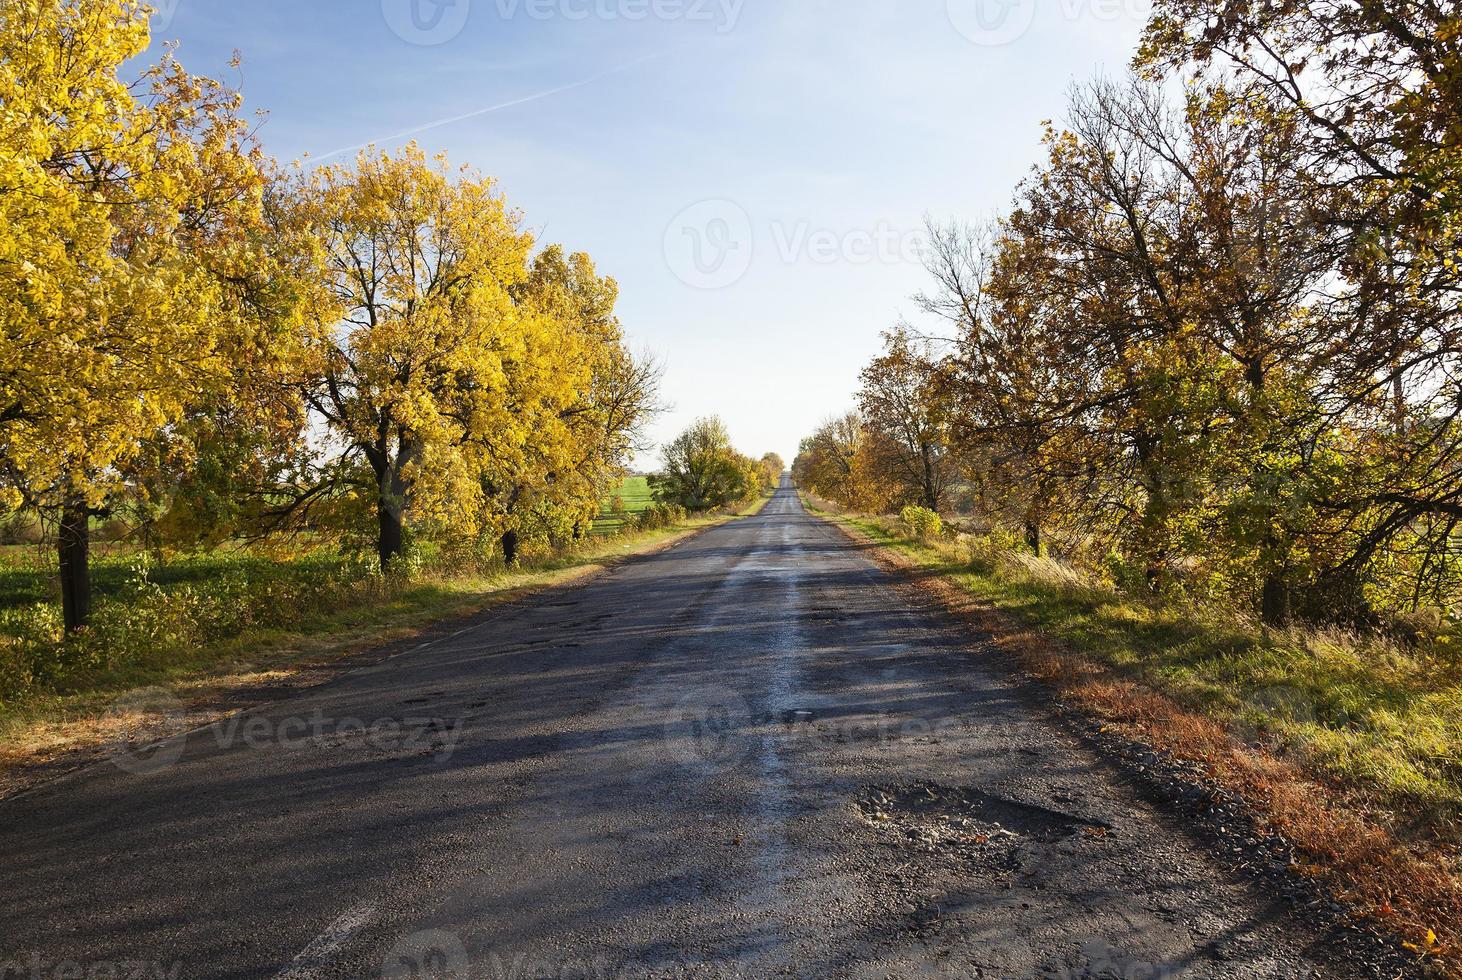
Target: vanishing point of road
(749, 755)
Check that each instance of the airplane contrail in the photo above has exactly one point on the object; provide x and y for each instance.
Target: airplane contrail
(536, 96)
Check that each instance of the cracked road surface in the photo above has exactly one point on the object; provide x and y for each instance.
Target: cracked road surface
(748, 755)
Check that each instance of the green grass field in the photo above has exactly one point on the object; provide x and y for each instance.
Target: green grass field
(635, 492)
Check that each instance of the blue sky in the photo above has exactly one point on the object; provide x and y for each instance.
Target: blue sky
(753, 173)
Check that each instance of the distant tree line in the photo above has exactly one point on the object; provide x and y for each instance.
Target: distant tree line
(1215, 344)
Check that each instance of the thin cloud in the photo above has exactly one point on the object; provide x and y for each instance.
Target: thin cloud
(535, 97)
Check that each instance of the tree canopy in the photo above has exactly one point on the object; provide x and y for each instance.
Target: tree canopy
(1212, 345)
(227, 349)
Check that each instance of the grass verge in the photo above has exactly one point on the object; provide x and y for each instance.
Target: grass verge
(47, 733)
(1346, 746)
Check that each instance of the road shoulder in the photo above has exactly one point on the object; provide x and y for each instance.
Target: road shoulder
(1180, 762)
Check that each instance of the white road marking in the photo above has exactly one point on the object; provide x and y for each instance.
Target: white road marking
(323, 947)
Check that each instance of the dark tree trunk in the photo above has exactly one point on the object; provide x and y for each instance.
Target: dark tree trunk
(1033, 538)
(510, 548)
(392, 538)
(931, 492)
(1275, 603)
(73, 546)
(391, 502)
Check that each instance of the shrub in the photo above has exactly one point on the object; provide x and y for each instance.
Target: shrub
(616, 505)
(115, 529)
(703, 471)
(922, 522)
(660, 516)
(984, 552)
(22, 528)
(145, 623)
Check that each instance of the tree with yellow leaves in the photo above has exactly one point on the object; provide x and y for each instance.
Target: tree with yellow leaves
(903, 401)
(843, 462)
(581, 440)
(417, 353)
(126, 219)
(463, 389)
(773, 466)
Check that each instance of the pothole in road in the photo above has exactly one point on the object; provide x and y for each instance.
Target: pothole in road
(980, 826)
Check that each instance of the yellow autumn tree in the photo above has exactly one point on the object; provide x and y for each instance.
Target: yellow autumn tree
(126, 210)
(594, 398)
(424, 370)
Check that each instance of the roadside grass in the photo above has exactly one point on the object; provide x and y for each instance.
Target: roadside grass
(1350, 744)
(286, 622)
(1364, 710)
(634, 491)
(25, 580)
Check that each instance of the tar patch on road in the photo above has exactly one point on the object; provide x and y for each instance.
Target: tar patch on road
(982, 828)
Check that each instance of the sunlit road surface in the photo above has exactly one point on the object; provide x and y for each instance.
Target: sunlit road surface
(746, 756)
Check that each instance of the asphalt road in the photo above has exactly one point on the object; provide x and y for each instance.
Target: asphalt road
(744, 756)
